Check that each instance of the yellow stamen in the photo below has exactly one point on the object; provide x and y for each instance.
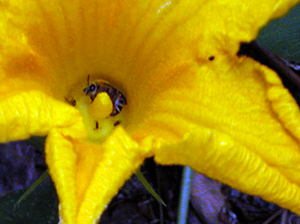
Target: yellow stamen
(101, 107)
(96, 116)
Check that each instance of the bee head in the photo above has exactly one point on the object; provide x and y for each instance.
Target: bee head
(91, 90)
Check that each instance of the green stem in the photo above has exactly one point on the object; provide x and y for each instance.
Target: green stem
(184, 197)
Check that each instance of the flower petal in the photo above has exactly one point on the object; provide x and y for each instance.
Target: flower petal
(88, 179)
(121, 41)
(219, 156)
(243, 129)
(170, 47)
(35, 113)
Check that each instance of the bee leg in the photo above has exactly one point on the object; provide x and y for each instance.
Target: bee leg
(88, 80)
(72, 101)
(117, 123)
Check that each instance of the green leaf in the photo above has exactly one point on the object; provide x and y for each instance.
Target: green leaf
(33, 186)
(40, 207)
(145, 183)
(282, 36)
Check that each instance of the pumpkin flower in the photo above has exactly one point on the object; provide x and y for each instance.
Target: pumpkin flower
(113, 82)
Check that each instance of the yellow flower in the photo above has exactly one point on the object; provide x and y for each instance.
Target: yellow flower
(190, 99)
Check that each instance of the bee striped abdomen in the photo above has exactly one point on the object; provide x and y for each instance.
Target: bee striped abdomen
(117, 98)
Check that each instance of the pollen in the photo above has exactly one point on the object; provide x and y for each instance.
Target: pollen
(101, 107)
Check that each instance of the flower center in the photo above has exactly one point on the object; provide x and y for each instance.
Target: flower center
(100, 105)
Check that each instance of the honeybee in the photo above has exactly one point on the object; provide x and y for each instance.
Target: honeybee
(118, 99)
